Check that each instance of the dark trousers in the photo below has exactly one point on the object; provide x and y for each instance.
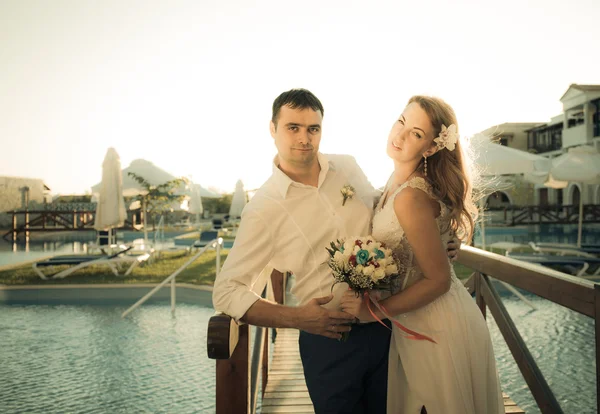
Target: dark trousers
(351, 376)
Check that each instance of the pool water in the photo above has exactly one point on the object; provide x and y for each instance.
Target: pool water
(86, 359)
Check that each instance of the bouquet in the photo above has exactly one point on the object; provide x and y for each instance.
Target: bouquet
(363, 263)
(366, 264)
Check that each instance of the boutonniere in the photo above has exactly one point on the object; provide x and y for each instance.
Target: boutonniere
(347, 193)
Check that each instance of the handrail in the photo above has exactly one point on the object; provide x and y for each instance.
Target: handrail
(570, 291)
(574, 293)
(216, 244)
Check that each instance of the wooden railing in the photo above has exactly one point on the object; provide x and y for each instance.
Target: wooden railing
(582, 296)
(519, 215)
(576, 294)
(237, 369)
(45, 220)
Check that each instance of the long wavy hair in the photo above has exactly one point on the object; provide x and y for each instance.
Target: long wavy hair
(450, 172)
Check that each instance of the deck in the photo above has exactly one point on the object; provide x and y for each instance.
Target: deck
(286, 389)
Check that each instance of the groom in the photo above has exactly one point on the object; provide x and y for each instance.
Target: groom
(288, 223)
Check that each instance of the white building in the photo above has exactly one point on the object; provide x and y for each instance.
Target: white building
(578, 124)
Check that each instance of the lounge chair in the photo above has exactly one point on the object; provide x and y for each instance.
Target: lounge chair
(77, 262)
(217, 224)
(577, 265)
(205, 238)
(586, 248)
(561, 251)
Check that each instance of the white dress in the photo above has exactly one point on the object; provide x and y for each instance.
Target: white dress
(458, 374)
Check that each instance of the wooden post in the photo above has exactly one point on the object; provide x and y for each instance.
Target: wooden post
(597, 325)
(14, 226)
(265, 362)
(233, 378)
(278, 283)
(74, 219)
(479, 294)
(27, 226)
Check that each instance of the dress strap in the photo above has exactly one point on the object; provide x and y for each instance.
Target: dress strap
(419, 183)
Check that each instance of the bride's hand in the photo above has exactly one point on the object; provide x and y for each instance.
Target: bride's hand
(453, 248)
(355, 305)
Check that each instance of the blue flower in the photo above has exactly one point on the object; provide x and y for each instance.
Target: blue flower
(362, 257)
(379, 254)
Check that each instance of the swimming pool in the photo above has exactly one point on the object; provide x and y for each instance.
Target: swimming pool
(58, 359)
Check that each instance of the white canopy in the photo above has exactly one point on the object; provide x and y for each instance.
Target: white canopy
(579, 164)
(495, 159)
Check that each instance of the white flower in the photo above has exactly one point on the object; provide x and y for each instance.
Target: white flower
(348, 248)
(391, 269)
(359, 268)
(448, 138)
(378, 275)
(368, 270)
(339, 259)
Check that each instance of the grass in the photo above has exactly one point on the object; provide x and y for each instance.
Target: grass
(462, 272)
(200, 272)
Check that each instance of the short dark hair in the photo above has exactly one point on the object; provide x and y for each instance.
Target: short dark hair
(296, 99)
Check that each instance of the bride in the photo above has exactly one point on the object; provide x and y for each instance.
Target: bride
(426, 200)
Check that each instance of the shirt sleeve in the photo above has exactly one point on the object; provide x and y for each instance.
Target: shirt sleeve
(235, 288)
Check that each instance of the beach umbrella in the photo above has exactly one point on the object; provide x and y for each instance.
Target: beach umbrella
(579, 165)
(492, 159)
(196, 203)
(238, 202)
(110, 210)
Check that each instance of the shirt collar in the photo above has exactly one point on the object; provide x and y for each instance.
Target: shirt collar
(283, 182)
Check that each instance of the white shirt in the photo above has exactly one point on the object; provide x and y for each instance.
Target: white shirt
(287, 226)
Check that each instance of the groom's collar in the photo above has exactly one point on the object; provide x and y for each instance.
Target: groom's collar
(283, 182)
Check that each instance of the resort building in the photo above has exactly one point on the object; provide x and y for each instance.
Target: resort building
(578, 124)
(19, 193)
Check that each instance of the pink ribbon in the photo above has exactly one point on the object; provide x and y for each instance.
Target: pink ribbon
(412, 334)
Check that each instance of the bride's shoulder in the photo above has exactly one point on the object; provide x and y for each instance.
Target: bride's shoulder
(415, 200)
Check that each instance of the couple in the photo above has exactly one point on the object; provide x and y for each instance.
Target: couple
(300, 210)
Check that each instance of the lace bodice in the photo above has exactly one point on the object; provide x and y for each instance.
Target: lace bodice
(387, 229)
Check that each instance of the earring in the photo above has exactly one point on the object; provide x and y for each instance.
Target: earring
(425, 165)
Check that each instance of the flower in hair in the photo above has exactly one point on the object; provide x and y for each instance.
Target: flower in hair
(448, 138)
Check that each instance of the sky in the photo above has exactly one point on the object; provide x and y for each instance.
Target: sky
(188, 85)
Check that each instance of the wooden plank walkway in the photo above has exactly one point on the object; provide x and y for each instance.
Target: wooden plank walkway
(286, 390)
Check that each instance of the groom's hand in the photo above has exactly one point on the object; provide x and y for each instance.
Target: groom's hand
(453, 248)
(315, 319)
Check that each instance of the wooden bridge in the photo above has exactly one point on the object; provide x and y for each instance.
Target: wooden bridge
(283, 386)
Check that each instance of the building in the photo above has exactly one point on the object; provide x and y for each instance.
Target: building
(19, 193)
(511, 134)
(578, 124)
